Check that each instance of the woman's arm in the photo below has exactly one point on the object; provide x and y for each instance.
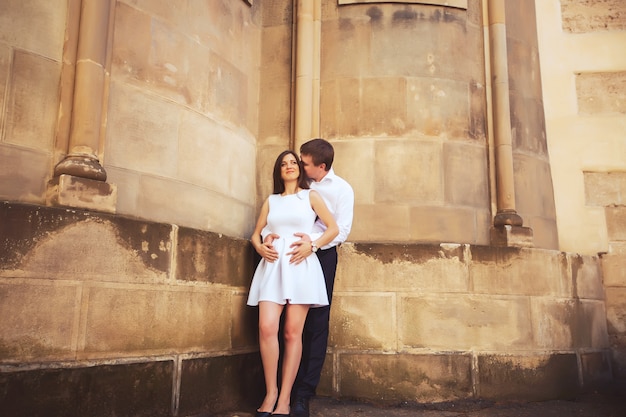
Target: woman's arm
(266, 250)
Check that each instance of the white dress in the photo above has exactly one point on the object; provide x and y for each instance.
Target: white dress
(280, 281)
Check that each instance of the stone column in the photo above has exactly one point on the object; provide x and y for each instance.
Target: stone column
(306, 109)
(507, 223)
(79, 179)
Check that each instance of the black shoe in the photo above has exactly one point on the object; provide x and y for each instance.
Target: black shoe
(263, 414)
(300, 407)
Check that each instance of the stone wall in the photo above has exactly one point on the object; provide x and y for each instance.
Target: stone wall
(431, 323)
(143, 312)
(105, 314)
(182, 113)
(403, 102)
(607, 190)
(534, 191)
(31, 54)
(581, 44)
(584, 78)
(180, 105)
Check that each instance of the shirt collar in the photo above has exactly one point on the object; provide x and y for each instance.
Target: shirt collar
(329, 176)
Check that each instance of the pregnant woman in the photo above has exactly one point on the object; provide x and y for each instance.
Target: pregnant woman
(279, 284)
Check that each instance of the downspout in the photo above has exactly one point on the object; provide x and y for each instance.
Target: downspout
(307, 57)
(79, 180)
(89, 86)
(497, 55)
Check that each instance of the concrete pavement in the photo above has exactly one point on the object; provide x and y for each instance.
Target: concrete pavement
(610, 402)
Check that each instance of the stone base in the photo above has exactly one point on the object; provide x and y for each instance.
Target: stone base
(512, 236)
(70, 191)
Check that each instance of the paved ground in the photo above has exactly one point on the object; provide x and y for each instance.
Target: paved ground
(610, 402)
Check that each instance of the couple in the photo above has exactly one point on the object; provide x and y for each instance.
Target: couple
(309, 213)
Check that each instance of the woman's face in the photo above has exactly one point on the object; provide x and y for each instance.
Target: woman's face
(289, 168)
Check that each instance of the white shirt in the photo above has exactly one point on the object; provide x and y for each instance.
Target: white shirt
(339, 198)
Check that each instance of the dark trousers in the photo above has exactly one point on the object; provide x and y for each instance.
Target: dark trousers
(315, 335)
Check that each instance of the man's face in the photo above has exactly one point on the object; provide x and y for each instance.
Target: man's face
(315, 172)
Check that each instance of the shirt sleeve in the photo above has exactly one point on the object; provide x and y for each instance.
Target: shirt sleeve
(344, 213)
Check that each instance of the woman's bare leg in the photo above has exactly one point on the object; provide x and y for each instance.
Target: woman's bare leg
(269, 319)
(295, 316)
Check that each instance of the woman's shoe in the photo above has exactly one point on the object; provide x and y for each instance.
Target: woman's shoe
(280, 415)
(264, 414)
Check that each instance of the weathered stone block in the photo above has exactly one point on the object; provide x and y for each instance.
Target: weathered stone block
(415, 176)
(528, 123)
(221, 384)
(605, 188)
(337, 92)
(461, 322)
(553, 322)
(244, 324)
(147, 141)
(82, 193)
(533, 187)
(228, 92)
(616, 310)
(354, 162)
(211, 210)
(31, 118)
(381, 223)
(375, 108)
(581, 16)
(128, 389)
(346, 47)
(129, 320)
(405, 377)
(327, 379)
(614, 269)
(206, 151)
(465, 175)
(522, 49)
(545, 232)
(562, 324)
(596, 369)
(616, 222)
(29, 332)
(363, 321)
(211, 257)
(440, 107)
(446, 44)
(444, 224)
(53, 243)
(40, 32)
(587, 276)
(23, 173)
(532, 378)
(618, 361)
(602, 93)
(400, 268)
(511, 236)
(519, 271)
(275, 88)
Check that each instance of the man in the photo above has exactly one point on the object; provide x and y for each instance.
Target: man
(317, 156)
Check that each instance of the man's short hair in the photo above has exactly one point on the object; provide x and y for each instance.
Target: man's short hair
(320, 150)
